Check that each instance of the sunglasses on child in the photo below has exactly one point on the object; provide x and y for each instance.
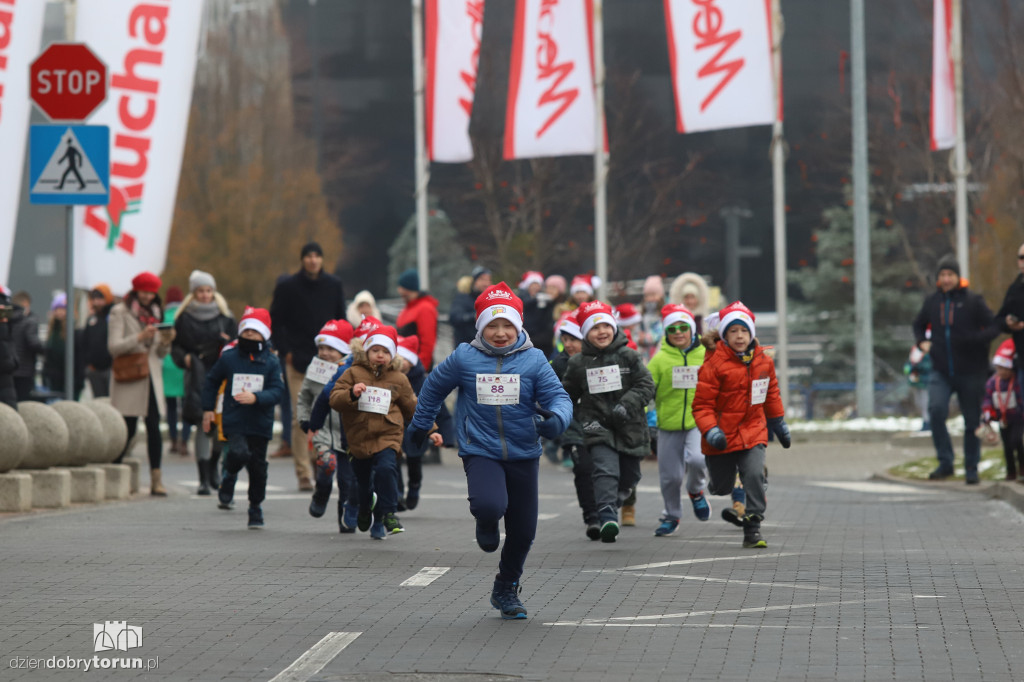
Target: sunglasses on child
(677, 329)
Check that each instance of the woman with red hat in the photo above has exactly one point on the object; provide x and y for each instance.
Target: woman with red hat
(138, 348)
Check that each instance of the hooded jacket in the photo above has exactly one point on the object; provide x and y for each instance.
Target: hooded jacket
(419, 318)
(675, 295)
(962, 328)
(239, 419)
(594, 411)
(503, 432)
(369, 432)
(723, 398)
(674, 405)
(25, 337)
(352, 313)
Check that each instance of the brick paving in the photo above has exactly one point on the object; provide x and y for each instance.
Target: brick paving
(862, 580)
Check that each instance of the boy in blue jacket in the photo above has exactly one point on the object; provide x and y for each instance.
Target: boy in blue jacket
(254, 387)
(508, 397)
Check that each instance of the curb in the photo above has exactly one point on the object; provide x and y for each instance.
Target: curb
(1009, 492)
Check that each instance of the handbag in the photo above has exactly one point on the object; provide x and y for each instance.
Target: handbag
(131, 367)
(987, 435)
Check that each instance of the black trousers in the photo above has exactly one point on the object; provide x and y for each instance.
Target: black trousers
(154, 443)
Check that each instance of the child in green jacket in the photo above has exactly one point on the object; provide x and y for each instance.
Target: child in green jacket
(674, 369)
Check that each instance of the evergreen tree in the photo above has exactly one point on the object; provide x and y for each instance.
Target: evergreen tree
(827, 305)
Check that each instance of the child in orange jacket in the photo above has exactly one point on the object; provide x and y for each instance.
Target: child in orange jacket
(737, 401)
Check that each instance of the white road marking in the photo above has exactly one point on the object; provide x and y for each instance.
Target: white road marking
(683, 562)
(547, 517)
(742, 626)
(425, 576)
(875, 487)
(727, 580)
(313, 661)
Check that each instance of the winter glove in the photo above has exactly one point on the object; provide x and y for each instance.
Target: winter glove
(547, 425)
(418, 438)
(988, 415)
(547, 414)
(304, 425)
(716, 438)
(620, 413)
(781, 431)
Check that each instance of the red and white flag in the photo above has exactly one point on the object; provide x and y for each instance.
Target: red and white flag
(21, 32)
(453, 53)
(150, 49)
(551, 108)
(943, 87)
(721, 57)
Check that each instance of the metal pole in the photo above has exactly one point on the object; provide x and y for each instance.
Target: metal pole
(314, 58)
(69, 320)
(732, 252)
(963, 254)
(861, 228)
(422, 163)
(779, 210)
(600, 157)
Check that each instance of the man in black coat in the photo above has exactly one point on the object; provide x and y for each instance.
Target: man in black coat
(96, 356)
(962, 327)
(27, 346)
(1010, 317)
(8, 358)
(302, 304)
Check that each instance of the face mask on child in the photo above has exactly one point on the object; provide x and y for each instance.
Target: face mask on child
(250, 346)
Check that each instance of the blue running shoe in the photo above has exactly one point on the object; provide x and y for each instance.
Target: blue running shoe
(255, 518)
(378, 531)
(505, 598)
(318, 505)
(349, 517)
(701, 508)
(667, 527)
(226, 492)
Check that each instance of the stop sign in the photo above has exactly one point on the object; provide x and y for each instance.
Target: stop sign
(68, 82)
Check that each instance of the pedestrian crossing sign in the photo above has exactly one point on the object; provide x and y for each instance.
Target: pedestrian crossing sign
(69, 165)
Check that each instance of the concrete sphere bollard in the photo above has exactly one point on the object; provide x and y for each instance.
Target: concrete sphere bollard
(48, 434)
(87, 442)
(113, 427)
(15, 439)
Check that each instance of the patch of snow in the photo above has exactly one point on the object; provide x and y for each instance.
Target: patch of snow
(889, 424)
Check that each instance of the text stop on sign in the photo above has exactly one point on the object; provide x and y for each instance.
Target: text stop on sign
(62, 81)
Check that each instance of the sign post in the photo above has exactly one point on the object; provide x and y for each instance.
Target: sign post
(69, 164)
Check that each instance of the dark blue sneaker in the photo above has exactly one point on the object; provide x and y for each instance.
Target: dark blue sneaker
(609, 520)
(505, 598)
(226, 492)
(412, 498)
(488, 536)
(378, 531)
(701, 508)
(255, 518)
(349, 518)
(318, 505)
(666, 527)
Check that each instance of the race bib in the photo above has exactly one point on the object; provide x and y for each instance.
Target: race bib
(246, 382)
(604, 379)
(320, 371)
(375, 399)
(758, 391)
(684, 377)
(497, 389)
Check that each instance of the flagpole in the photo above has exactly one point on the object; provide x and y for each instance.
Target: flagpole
(861, 233)
(422, 163)
(961, 170)
(779, 211)
(600, 157)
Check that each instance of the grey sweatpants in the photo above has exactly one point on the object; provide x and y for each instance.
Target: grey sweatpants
(615, 476)
(679, 459)
(750, 465)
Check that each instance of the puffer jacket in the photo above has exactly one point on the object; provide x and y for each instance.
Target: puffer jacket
(574, 434)
(419, 318)
(674, 405)
(329, 435)
(503, 432)
(238, 419)
(369, 432)
(723, 398)
(629, 436)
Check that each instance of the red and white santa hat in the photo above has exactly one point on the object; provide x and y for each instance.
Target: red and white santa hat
(676, 313)
(531, 277)
(336, 334)
(627, 314)
(587, 283)
(736, 313)
(568, 324)
(409, 348)
(368, 324)
(1004, 354)
(386, 337)
(255, 318)
(594, 312)
(498, 301)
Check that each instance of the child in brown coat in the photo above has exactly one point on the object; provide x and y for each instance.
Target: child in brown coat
(375, 400)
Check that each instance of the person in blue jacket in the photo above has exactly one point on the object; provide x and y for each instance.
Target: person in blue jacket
(508, 397)
(253, 388)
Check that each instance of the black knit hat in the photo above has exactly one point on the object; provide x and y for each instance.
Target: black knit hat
(312, 247)
(948, 262)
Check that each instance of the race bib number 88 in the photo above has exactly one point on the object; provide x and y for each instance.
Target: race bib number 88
(497, 389)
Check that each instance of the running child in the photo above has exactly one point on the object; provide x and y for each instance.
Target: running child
(1004, 403)
(508, 396)
(254, 387)
(737, 401)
